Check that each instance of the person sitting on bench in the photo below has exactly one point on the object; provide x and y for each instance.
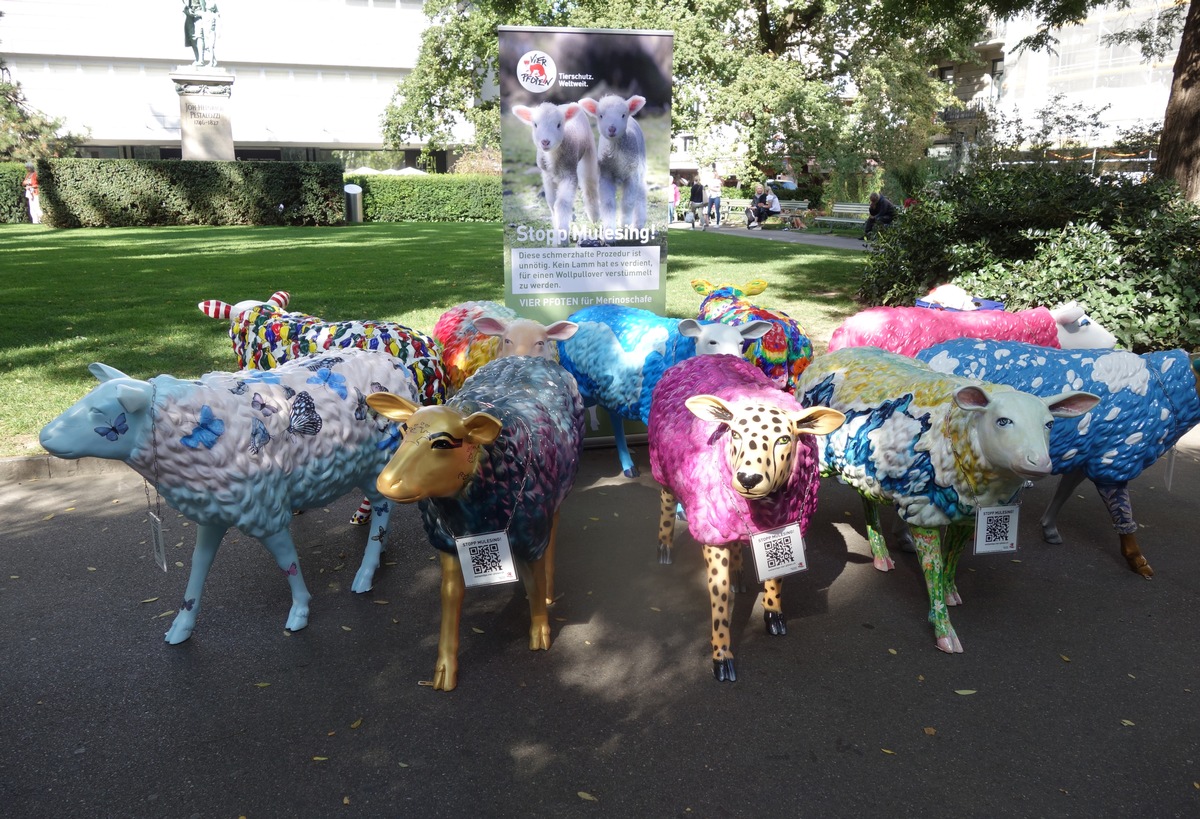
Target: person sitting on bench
(880, 214)
(765, 204)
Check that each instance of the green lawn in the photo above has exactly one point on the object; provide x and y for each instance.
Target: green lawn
(127, 297)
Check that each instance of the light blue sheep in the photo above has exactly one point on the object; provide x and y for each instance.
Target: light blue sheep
(1147, 403)
(245, 449)
(618, 354)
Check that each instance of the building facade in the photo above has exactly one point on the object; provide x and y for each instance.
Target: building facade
(311, 77)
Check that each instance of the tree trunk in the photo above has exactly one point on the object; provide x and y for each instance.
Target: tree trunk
(1179, 150)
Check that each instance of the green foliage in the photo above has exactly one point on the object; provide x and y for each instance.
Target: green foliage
(25, 132)
(131, 192)
(431, 198)
(1045, 234)
(13, 207)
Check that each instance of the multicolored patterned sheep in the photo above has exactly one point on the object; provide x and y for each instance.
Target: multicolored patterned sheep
(908, 330)
(245, 449)
(618, 354)
(761, 477)
(500, 455)
(939, 447)
(1147, 403)
(476, 332)
(783, 352)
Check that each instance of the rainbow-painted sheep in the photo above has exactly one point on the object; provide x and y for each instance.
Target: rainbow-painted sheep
(908, 330)
(1147, 403)
(500, 455)
(245, 449)
(939, 447)
(736, 451)
(476, 332)
(618, 354)
(783, 352)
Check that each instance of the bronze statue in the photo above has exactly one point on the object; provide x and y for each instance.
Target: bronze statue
(200, 30)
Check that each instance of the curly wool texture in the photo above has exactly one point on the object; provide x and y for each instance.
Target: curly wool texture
(528, 470)
(908, 330)
(464, 348)
(904, 439)
(256, 472)
(266, 336)
(686, 460)
(782, 354)
(618, 354)
(1147, 402)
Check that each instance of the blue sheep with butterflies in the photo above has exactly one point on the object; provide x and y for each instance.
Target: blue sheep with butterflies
(245, 449)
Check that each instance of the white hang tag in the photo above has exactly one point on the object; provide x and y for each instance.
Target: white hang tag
(486, 559)
(996, 529)
(778, 551)
(156, 537)
(1170, 467)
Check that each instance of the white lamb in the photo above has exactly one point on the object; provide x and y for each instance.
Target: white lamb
(622, 159)
(566, 156)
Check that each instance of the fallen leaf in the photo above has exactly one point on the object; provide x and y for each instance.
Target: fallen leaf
(892, 651)
(178, 564)
(587, 797)
(655, 608)
(920, 678)
(930, 731)
(357, 723)
(587, 642)
(91, 568)
(346, 628)
(262, 685)
(1014, 561)
(331, 733)
(167, 613)
(149, 599)
(966, 692)
(381, 602)
(69, 509)
(320, 758)
(390, 563)
(1196, 785)
(1065, 658)
(588, 519)
(48, 516)
(403, 764)
(477, 630)
(18, 577)
(1130, 676)
(345, 800)
(1127, 723)
(886, 751)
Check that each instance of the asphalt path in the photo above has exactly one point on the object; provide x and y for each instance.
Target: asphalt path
(1085, 677)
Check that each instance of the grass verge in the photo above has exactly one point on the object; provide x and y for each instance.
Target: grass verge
(127, 297)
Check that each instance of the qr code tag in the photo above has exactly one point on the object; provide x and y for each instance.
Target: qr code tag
(996, 529)
(486, 559)
(778, 551)
(156, 537)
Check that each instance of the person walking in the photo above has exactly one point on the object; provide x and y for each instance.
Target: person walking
(714, 199)
(673, 203)
(33, 193)
(698, 204)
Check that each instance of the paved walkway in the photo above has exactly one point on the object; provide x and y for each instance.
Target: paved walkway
(738, 229)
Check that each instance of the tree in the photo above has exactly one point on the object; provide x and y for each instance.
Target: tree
(25, 132)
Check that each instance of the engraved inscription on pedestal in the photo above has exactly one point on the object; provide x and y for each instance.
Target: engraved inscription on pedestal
(205, 129)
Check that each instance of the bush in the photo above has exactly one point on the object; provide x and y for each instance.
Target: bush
(430, 198)
(1041, 235)
(13, 207)
(131, 192)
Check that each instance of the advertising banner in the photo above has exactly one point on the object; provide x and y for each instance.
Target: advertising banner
(585, 124)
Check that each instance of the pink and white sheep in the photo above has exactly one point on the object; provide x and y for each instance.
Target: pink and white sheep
(737, 452)
(566, 156)
(908, 330)
(476, 332)
(245, 449)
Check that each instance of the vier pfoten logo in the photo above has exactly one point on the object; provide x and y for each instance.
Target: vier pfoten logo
(536, 71)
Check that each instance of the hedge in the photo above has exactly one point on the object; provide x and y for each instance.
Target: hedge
(133, 192)
(13, 207)
(430, 198)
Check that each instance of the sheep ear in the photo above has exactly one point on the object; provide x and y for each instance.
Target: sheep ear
(570, 110)
(1068, 313)
(588, 104)
(482, 429)
(754, 329)
(103, 372)
(523, 113)
(703, 286)
(280, 299)
(753, 287)
(213, 308)
(971, 398)
(135, 397)
(1071, 404)
(490, 326)
(392, 407)
(561, 330)
(709, 408)
(635, 104)
(817, 420)
(689, 328)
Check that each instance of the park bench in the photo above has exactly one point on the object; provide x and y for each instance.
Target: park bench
(736, 208)
(848, 214)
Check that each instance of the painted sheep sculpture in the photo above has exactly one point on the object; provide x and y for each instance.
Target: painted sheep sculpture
(737, 452)
(1147, 403)
(939, 447)
(245, 449)
(783, 352)
(476, 332)
(501, 454)
(908, 330)
(618, 354)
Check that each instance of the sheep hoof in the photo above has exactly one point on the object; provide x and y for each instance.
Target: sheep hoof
(363, 581)
(297, 617)
(664, 555)
(1050, 535)
(950, 643)
(179, 632)
(884, 564)
(776, 623)
(631, 472)
(723, 670)
(360, 518)
(953, 598)
(737, 581)
(539, 637)
(445, 676)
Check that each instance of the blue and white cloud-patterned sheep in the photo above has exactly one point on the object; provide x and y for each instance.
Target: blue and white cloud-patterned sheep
(938, 446)
(1147, 403)
(245, 449)
(501, 454)
(618, 354)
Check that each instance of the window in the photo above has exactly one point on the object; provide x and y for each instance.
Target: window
(946, 73)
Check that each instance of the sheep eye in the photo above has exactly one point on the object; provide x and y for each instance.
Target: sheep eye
(442, 443)
(1003, 422)
(783, 440)
(1084, 322)
(1050, 424)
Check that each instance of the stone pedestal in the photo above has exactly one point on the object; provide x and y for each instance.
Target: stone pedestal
(205, 130)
